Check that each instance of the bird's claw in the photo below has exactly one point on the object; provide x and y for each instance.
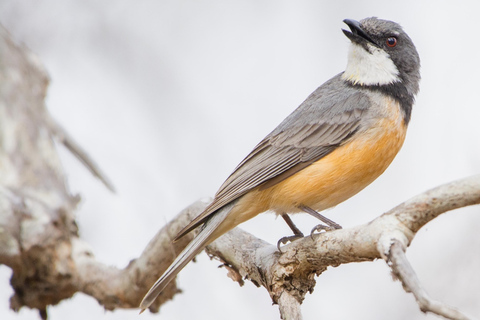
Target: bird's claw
(321, 227)
(285, 240)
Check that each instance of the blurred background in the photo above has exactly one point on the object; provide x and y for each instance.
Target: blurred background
(169, 96)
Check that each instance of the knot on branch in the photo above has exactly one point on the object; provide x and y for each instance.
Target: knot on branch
(289, 274)
(43, 235)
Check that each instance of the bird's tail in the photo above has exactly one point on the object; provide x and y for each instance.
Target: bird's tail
(190, 251)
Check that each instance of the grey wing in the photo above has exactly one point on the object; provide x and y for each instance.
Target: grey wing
(304, 137)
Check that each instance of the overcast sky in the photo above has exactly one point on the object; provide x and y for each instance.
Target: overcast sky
(168, 97)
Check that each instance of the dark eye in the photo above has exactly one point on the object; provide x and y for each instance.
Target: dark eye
(391, 42)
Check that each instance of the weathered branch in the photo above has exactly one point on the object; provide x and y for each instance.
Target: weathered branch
(36, 219)
(293, 271)
(404, 272)
(39, 239)
(125, 288)
(289, 307)
(62, 136)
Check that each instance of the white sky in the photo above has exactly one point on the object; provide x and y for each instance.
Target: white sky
(168, 97)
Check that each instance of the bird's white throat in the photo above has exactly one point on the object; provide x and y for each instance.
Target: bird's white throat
(370, 68)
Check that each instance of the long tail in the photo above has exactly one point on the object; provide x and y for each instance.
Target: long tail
(190, 251)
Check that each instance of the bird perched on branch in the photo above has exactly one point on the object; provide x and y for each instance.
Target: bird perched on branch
(340, 139)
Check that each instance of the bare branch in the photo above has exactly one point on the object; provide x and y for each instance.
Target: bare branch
(405, 273)
(67, 140)
(419, 210)
(293, 271)
(289, 307)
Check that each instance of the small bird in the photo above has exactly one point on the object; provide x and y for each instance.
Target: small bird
(340, 139)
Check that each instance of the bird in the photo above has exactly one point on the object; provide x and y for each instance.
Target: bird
(338, 141)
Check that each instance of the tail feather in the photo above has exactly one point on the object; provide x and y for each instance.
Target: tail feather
(190, 251)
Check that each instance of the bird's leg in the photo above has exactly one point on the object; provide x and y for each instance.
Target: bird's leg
(297, 234)
(331, 225)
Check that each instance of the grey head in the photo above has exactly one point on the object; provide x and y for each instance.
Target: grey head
(382, 54)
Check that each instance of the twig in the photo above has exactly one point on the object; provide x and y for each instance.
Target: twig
(64, 138)
(405, 273)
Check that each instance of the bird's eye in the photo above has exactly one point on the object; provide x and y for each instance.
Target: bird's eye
(391, 42)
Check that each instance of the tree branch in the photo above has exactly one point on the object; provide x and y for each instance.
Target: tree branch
(293, 271)
(62, 136)
(404, 272)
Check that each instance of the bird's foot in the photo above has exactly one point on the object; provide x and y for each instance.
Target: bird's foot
(285, 240)
(320, 228)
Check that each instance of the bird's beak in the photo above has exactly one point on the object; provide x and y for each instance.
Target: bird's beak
(357, 34)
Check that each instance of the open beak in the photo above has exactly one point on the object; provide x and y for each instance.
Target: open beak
(357, 34)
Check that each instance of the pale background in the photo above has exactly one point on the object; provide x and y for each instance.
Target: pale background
(168, 96)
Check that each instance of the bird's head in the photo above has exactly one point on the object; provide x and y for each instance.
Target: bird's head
(381, 53)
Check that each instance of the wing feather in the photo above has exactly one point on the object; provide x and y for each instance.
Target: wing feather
(326, 120)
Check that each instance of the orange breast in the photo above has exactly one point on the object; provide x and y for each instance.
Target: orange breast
(334, 178)
(339, 175)
(344, 172)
